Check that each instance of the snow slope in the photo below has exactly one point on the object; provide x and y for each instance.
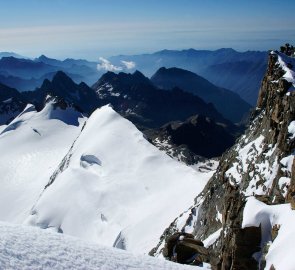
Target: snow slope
(23, 247)
(115, 188)
(281, 250)
(32, 145)
(288, 65)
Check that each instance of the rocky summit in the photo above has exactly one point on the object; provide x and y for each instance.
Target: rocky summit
(244, 213)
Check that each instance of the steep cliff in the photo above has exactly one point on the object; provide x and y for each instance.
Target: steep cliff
(242, 213)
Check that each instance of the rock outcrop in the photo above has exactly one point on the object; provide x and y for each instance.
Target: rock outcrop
(192, 140)
(183, 248)
(260, 165)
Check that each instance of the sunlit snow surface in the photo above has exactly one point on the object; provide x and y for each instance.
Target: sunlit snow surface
(32, 146)
(281, 251)
(124, 193)
(288, 65)
(116, 188)
(28, 248)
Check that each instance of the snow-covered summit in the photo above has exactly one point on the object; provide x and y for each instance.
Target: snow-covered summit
(115, 188)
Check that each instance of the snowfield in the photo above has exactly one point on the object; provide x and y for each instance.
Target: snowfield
(117, 189)
(108, 184)
(32, 146)
(28, 248)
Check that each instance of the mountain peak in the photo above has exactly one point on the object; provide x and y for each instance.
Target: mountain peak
(124, 78)
(61, 76)
(173, 71)
(138, 73)
(226, 50)
(42, 57)
(228, 103)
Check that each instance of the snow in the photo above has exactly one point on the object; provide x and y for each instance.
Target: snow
(211, 239)
(28, 248)
(106, 87)
(7, 100)
(246, 155)
(32, 146)
(283, 61)
(218, 215)
(287, 162)
(117, 189)
(284, 183)
(291, 130)
(181, 221)
(255, 153)
(281, 251)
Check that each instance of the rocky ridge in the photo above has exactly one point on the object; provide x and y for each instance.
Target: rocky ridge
(188, 141)
(259, 167)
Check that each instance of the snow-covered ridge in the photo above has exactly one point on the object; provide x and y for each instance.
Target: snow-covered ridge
(23, 247)
(118, 189)
(32, 146)
(288, 65)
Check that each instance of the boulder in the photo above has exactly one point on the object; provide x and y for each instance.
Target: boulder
(183, 248)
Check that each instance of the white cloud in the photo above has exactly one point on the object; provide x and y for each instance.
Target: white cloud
(128, 64)
(107, 65)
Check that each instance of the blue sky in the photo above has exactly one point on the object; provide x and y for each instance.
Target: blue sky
(93, 28)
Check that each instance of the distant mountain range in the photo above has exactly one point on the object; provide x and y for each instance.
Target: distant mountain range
(229, 104)
(101, 163)
(27, 74)
(161, 106)
(240, 72)
(11, 54)
(136, 98)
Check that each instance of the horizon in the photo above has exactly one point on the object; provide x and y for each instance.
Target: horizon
(71, 29)
(98, 60)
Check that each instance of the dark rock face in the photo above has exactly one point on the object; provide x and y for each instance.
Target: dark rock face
(9, 109)
(251, 168)
(8, 92)
(11, 104)
(63, 86)
(229, 104)
(194, 135)
(135, 97)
